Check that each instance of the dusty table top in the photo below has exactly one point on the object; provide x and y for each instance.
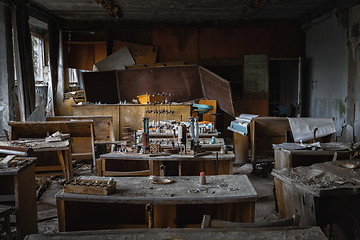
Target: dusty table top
(37, 145)
(196, 234)
(173, 157)
(184, 190)
(20, 163)
(323, 179)
(326, 148)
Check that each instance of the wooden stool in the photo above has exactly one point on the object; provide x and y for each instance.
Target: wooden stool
(5, 212)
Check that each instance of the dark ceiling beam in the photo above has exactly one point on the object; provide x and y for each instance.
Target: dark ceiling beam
(253, 8)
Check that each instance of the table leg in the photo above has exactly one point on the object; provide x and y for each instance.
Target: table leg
(25, 202)
(62, 163)
(60, 204)
(68, 162)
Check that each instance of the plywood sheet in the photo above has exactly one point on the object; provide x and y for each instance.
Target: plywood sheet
(116, 61)
(215, 87)
(142, 54)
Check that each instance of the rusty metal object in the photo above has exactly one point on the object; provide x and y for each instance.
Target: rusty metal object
(150, 214)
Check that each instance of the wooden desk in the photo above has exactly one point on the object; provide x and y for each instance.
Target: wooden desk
(179, 204)
(45, 152)
(323, 193)
(17, 184)
(265, 131)
(118, 164)
(287, 158)
(81, 133)
(189, 234)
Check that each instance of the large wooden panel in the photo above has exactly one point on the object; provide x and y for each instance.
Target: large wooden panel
(131, 114)
(215, 87)
(183, 83)
(103, 125)
(101, 86)
(42, 129)
(100, 110)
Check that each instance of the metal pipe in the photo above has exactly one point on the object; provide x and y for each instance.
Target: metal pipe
(196, 131)
(191, 129)
(13, 152)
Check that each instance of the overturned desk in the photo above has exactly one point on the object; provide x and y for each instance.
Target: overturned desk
(54, 158)
(17, 186)
(323, 193)
(295, 154)
(181, 203)
(125, 164)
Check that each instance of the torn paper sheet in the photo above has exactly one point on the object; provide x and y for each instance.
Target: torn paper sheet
(303, 128)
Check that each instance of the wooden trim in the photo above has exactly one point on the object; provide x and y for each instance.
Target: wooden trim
(132, 173)
(49, 168)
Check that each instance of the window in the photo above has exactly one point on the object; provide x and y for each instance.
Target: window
(38, 58)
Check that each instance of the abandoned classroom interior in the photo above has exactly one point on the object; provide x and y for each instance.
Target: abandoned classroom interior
(186, 119)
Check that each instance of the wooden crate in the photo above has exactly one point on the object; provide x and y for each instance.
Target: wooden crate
(97, 187)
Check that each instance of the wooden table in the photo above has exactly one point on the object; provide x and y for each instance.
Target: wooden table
(322, 194)
(179, 204)
(286, 158)
(46, 152)
(17, 184)
(189, 234)
(125, 164)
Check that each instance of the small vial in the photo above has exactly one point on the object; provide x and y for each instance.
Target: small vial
(202, 178)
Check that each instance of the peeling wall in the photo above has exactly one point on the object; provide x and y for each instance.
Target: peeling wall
(327, 71)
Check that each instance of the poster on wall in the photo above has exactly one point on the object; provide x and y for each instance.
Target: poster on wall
(256, 74)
